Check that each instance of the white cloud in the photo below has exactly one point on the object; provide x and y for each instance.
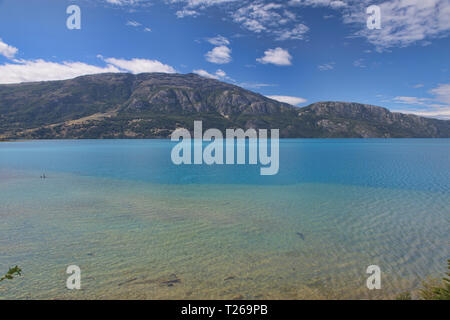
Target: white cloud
(252, 85)
(41, 70)
(326, 66)
(277, 56)
(220, 74)
(419, 85)
(124, 2)
(288, 99)
(359, 63)
(442, 93)
(411, 100)
(119, 2)
(316, 3)
(133, 23)
(202, 3)
(256, 16)
(219, 55)
(190, 6)
(297, 33)
(438, 114)
(7, 50)
(140, 65)
(337, 4)
(404, 22)
(272, 18)
(186, 13)
(219, 41)
(437, 107)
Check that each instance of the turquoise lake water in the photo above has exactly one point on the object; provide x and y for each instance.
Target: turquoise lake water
(140, 227)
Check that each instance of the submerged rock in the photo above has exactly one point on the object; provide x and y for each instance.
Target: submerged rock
(301, 235)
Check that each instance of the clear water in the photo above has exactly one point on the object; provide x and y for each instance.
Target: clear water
(132, 220)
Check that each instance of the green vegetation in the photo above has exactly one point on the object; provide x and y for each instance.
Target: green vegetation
(432, 289)
(12, 272)
(152, 105)
(404, 296)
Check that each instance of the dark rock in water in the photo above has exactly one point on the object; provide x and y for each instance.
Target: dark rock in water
(301, 235)
(170, 283)
(127, 281)
(315, 284)
(173, 279)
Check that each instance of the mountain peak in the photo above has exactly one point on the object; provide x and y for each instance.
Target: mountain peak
(148, 105)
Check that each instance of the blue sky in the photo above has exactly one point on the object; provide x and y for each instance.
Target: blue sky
(298, 51)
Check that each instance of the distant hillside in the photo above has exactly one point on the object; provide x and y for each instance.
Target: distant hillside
(151, 105)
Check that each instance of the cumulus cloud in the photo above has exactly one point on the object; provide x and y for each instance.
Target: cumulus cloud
(219, 55)
(41, 70)
(288, 99)
(298, 32)
(256, 16)
(272, 18)
(219, 41)
(140, 65)
(218, 75)
(277, 56)
(7, 51)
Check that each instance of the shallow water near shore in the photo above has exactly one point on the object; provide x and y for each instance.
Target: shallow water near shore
(140, 227)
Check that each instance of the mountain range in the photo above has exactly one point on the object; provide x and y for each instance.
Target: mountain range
(152, 105)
